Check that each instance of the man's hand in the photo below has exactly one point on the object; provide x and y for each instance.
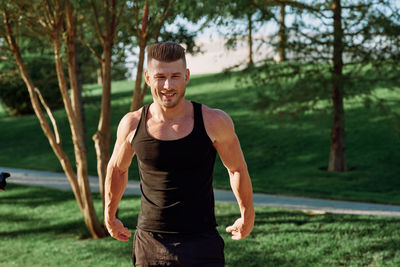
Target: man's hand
(241, 229)
(117, 230)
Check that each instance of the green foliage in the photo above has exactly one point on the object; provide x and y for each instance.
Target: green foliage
(287, 88)
(371, 56)
(13, 92)
(182, 36)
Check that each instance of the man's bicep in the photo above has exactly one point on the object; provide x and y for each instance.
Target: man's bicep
(230, 152)
(122, 154)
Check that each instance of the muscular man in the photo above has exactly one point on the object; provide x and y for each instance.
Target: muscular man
(176, 141)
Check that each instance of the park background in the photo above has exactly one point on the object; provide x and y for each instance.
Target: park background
(278, 93)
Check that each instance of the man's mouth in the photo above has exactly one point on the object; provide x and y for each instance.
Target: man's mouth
(168, 95)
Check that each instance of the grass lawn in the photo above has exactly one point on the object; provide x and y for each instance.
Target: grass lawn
(284, 156)
(43, 227)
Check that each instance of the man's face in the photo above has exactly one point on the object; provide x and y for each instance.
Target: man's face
(167, 81)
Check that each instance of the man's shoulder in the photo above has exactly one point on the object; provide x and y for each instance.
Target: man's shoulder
(217, 123)
(215, 116)
(131, 120)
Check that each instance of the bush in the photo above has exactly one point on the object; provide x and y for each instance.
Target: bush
(13, 92)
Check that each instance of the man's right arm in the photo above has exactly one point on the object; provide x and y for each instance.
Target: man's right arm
(117, 175)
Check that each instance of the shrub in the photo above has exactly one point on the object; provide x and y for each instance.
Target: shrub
(13, 92)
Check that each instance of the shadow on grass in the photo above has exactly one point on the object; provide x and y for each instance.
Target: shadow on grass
(275, 230)
(96, 99)
(47, 206)
(16, 218)
(74, 227)
(292, 238)
(35, 197)
(208, 78)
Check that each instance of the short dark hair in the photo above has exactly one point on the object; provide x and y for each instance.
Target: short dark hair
(166, 52)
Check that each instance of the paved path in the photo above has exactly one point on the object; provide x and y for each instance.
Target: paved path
(314, 206)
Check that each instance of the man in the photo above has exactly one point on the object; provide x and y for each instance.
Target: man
(176, 141)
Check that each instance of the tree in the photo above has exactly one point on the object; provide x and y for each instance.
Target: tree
(282, 33)
(339, 47)
(270, 8)
(337, 158)
(146, 26)
(254, 13)
(51, 20)
(51, 26)
(234, 15)
(106, 35)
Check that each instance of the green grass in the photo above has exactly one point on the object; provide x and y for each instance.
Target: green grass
(43, 227)
(284, 155)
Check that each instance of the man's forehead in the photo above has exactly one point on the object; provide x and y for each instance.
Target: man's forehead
(159, 73)
(157, 64)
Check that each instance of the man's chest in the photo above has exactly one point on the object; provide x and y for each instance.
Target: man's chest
(170, 130)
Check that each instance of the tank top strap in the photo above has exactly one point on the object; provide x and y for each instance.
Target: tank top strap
(140, 128)
(144, 113)
(198, 118)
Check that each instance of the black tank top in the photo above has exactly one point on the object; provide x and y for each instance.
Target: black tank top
(176, 179)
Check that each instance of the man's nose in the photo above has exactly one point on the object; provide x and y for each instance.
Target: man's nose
(167, 83)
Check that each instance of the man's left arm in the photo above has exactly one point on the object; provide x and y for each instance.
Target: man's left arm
(227, 144)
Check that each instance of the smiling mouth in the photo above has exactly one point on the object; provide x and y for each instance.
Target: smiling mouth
(168, 95)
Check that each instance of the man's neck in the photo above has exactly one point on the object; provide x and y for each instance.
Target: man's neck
(170, 114)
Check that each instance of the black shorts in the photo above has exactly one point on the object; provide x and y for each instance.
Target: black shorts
(160, 249)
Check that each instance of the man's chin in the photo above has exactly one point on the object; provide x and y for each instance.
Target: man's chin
(171, 103)
(168, 104)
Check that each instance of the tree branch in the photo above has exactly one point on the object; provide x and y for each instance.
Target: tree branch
(50, 114)
(96, 20)
(162, 18)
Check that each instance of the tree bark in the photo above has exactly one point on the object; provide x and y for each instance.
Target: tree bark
(99, 74)
(337, 158)
(250, 62)
(138, 95)
(74, 72)
(102, 137)
(282, 34)
(137, 92)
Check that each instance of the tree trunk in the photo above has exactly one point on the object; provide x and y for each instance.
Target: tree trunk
(282, 34)
(84, 200)
(138, 95)
(99, 74)
(88, 211)
(74, 73)
(102, 136)
(337, 158)
(250, 40)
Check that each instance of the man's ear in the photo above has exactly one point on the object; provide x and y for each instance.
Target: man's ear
(187, 76)
(147, 77)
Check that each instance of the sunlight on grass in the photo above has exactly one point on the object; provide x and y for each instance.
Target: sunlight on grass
(280, 151)
(43, 227)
